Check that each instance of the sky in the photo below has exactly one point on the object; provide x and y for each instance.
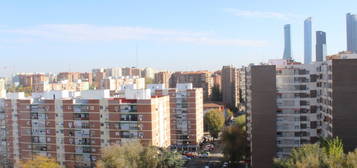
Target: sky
(78, 35)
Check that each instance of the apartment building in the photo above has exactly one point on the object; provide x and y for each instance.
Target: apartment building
(98, 76)
(86, 77)
(311, 101)
(4, 162)
(119, 83)
(186, 108)
(61, 85)
(38, 80)
(113, 72)
(217, 79)
(2, 87)
(148, 73)
(68, 76)
(297, 114)
(22, 79)
(316, 100)
(337, 91)
(131, 71)
(73, 130)
(162, 78)
(230, 86)
(261, 114)
(12, 122)
(30, 79)
(199, 79)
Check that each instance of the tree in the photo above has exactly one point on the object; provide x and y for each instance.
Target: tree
(334, 153)
(92, 87)
(214, 122)
(240, 121)
(216, 94)
(134, 155)
(149, 81)
(27, 90)
(326, 154)
(308, 156)
(40, 162)
(149, 157)
(351, 159)
(127, 155)
(235, 144)
(170, 159)
(229, 114)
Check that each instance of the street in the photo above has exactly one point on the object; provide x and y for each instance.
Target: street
(213, 161)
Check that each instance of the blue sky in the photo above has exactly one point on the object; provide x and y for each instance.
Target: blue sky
(77, 35)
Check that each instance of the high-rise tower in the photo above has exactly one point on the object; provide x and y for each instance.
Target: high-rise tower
(351, 27)
(321, 50)
(307, 41)
(287, 42)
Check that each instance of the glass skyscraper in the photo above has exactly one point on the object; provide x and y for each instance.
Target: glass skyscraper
(321, 50)
(351, 26)
(287, 43)
(307, 41)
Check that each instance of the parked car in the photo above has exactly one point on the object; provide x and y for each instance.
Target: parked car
(209, 147)
(186, 157)
(190, 154)
(225, 164)
(204, 155)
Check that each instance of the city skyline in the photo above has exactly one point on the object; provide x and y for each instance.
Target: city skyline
(232, 83)
(160, 37)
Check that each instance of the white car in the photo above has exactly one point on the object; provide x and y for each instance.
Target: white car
(204, 155)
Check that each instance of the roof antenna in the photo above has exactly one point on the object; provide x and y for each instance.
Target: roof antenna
(136, 55)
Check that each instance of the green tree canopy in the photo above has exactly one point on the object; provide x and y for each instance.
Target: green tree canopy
(149, 81)
(240, 121)
(326, 154)
(214, 122)
(134, 155)
(216, 94)
(170, 159)
(27, 90)
(351, 159)
(235, 144)
(229, 114)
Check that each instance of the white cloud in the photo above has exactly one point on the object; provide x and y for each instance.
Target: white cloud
(261, 14)
(223, 42)
(86, 32)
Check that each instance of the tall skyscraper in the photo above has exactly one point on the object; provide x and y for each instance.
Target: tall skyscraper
(307, 41)
(351, 26)
(287, 42)
(321, 50)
